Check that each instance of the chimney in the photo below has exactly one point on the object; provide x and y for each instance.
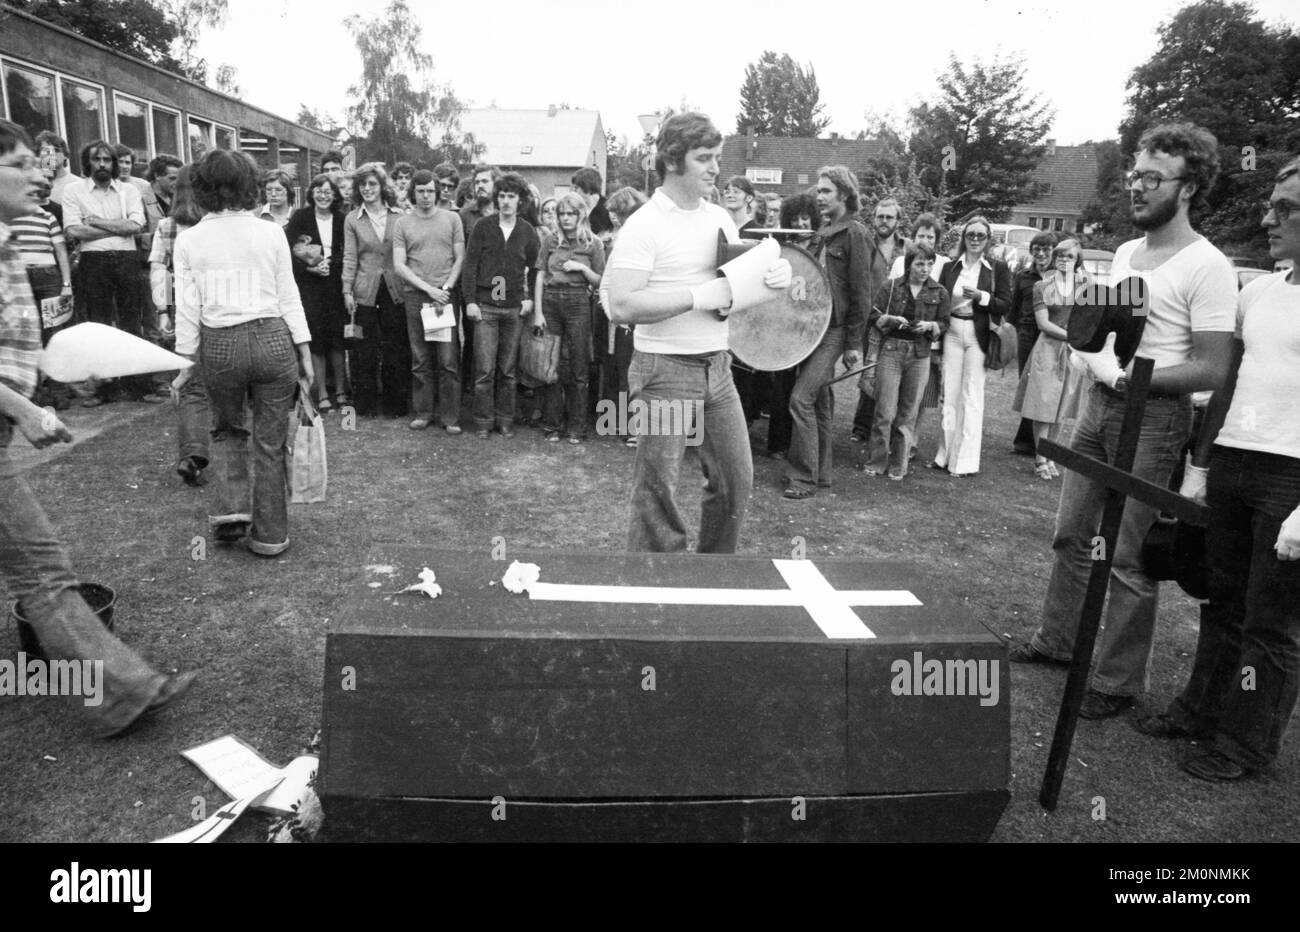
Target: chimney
(1051, 147)
(835, 140)
(751, 143)
(550, 110)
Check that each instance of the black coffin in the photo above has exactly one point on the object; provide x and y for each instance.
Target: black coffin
(490, 716)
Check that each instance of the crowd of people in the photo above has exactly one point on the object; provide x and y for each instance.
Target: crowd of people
(387, 288)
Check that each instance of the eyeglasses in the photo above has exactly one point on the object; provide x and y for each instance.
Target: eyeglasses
(1280, 209)
(566, 213)
(885, 217)
(977, 236)
(1041, 250)
(1150, 180)
(446, 185)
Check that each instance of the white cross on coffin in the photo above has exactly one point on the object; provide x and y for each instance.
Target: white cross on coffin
(831, 609)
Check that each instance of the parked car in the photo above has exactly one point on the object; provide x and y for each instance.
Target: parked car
(1011, 243)
(1246, 276)
(1244, 262)
(1096, 262)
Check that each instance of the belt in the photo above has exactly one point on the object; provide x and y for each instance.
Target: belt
(961, 317)
(567, 287)
(1151, 396)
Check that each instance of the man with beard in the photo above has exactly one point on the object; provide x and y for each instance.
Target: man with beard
(1190, 300)
(104, 214)
(886, 245)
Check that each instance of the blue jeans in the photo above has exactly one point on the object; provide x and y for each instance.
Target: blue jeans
(808, 464)
(496, 351)
(703, 383)
(35, 569)
(901, 376)
(423, 354)
(1252, 619)
(1122, 661)
(251, 361)
(568, 315)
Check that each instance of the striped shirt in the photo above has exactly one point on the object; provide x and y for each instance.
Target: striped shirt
(36, 235)
(20, 321)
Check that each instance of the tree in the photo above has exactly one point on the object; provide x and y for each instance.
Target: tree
(396, 108)
(981, 135)
(780, 98)
(189, 17)
(133, 27)
(1220, 66)
(623, 163)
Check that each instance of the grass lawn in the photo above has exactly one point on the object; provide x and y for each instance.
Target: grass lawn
(256, 628)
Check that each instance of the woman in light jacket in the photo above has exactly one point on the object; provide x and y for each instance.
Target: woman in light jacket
(381, 369)
(238, 308)
(980, 290)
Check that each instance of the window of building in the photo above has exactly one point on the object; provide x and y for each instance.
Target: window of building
(1078, 226)
(133, 129)
(1044, 189)
(83, 114)
(30, 98)
(763, 175)
(200, 136)
(167, 133)
(225, 136)
(1059, 224)
(803, 178)
(1033, 222)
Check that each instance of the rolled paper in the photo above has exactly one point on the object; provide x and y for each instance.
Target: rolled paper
(746, 271)
(95, 351)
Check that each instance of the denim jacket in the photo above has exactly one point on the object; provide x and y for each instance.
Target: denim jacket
(843, 251)
(931, 303)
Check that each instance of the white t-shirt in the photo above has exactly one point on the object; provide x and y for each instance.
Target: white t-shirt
(1263, 415)
(1194, 290)
(679, 248)
(326, 236)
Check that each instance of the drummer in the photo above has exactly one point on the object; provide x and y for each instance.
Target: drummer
(840, 245)
(662, 276)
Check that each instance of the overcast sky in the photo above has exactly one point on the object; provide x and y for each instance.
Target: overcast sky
(625, 59)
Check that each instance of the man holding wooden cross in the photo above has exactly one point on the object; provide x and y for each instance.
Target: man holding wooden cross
(1191, 297)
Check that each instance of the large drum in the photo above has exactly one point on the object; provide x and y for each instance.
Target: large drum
(783, 330)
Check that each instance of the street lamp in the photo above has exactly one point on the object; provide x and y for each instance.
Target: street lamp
(650, 126)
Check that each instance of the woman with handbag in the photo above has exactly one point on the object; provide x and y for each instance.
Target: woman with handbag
(238, 308)
(569, 266)
(1048, 393)
(315, 233)
(980, 290)
(381, 352)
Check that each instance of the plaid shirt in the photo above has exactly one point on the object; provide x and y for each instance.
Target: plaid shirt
(20, 321)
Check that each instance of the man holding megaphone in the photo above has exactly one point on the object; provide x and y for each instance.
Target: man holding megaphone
(662, 276)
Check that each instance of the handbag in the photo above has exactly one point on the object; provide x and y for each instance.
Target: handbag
(1003, 346)
(539, 357)
(307, 470)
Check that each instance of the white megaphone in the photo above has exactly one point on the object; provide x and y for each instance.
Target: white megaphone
(94, 351)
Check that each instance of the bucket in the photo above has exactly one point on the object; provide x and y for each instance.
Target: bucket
(101, 600)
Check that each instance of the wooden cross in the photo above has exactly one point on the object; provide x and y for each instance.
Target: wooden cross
(1121, 485)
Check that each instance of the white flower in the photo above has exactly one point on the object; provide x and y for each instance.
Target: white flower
(426, 584)
(520, 576)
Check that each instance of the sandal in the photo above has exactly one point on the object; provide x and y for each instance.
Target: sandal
(797, 494)
(1052, 466)
(552, 436)
(1042, 469)
(324, 406)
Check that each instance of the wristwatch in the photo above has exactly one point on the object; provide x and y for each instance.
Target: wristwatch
(1121, 384)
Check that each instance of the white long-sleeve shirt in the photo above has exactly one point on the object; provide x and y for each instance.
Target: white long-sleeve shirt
(232, 268)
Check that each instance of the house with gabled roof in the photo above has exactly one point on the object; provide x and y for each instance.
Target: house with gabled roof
(1066, 181)
(545, 146)
(786, 166)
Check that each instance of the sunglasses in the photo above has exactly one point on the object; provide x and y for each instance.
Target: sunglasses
(977, 236)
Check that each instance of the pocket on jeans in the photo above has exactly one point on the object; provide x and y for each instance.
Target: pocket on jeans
(278, 344)
(217, 351)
